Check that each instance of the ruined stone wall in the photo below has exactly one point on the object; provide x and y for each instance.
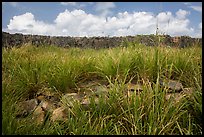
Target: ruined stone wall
(11, 40)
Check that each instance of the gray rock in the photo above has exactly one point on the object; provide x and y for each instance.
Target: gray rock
(176, 97)
(172, 85)
(70, 98)
(100, 91)
(26, 107)
(47, 105)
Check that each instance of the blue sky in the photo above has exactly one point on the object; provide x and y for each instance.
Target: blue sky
(102, 18)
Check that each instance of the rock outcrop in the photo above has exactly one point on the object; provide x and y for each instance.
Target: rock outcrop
(11, 40)
(58, 108)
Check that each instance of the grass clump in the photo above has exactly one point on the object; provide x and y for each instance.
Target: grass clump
(27, 69)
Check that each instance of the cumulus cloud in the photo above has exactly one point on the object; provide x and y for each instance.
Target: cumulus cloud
(175, 25)
(80, 23)
(26, 23)
(182, 14)
(104, 8)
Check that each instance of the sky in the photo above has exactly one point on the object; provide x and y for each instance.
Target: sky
(89, 19)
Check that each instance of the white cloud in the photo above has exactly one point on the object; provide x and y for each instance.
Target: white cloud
(197, 8)
(13, 4)
(68, 3)
(187, 3)
(80, 23)
(90, 3)
(181, 14)
(175, 25)
(75, 4)
(198, 32)
(26, 23)
(104, 8)
(200, 25)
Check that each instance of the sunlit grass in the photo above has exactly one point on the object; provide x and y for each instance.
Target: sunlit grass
(26, 69)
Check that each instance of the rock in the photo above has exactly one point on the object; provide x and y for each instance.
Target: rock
(54, 98)
(176, 97)
(87, 101)
(40, 98)
(44, 91)
(100, 91)
(70, 98)
(59, 114)
(26, 107)
(39, 115)
(46, 94)
(172, 85)
(10, 40)
(47, 105)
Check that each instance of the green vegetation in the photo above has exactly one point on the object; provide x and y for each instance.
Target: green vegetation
(28, 68)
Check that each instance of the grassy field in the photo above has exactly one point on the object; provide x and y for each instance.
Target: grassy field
(28, 68)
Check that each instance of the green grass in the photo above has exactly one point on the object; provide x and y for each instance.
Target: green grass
(26, 69)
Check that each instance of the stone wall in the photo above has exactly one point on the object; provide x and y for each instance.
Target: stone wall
(11, 40)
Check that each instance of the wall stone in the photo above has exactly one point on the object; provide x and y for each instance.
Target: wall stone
(11, 40)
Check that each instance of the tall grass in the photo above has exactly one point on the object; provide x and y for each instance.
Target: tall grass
(26, 69)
